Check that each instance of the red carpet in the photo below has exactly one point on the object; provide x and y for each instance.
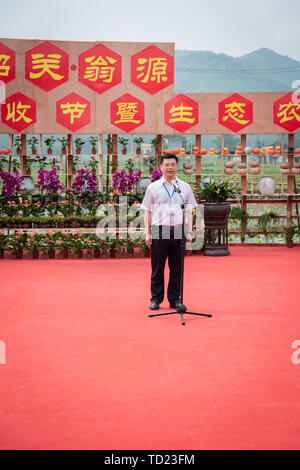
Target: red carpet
(86, 368)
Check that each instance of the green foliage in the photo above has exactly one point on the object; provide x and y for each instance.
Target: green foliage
(216, 192)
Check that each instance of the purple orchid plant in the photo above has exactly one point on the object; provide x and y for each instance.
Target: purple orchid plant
(49, 182)
(124, 182)
(12, 183)
(85, 182)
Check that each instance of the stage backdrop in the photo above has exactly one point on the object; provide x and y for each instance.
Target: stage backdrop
(56, 87)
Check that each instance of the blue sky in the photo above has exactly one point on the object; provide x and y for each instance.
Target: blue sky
(233, 27)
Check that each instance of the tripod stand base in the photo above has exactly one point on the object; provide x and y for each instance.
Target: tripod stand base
(180, 311)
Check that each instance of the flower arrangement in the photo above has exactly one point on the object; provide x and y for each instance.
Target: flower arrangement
(93, 164)
(18, 143)
(125, 182)
(64, 143)
(156, 143)
(93, 142)
(124, 143)
(16, 243)
(49, 143)
(85, 182)
(33, 141)
(156, 175)
(138, 141)
(12, 183)
(49, 182)
(78, 144)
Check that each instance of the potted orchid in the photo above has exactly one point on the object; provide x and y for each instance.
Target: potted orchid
(18, 144)
(93, 142)
(138, 141)
(33, 141)
(64, 144)
(49, 143)
(78, 144)
(124, 143)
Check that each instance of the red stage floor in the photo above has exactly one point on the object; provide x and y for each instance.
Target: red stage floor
(86, 368)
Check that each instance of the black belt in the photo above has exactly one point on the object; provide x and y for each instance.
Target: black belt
(165, 227)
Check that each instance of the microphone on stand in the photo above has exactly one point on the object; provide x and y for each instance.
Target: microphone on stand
(176, 187)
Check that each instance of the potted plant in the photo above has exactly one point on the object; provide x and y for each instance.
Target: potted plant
(216, 214)
(156, 143)
(115, 247)
(109, 143)
(16, 243)
(93, 142)
(138, 141)
(265, 221)
(33, 141)
(289, 232)
(129, 244)
(124, 143)
(33, 244)
(64, 145)
(29, 162)
(3, 241)
(143, 248)
(93, 164)
(77, 245)
(237, 213)
(49, 143)
(78, 144)
(18, 144)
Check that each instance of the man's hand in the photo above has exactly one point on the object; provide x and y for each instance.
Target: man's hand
(148, 240)
(189, 237)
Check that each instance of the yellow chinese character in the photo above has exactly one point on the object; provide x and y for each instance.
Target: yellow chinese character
(153, 69)
(17, 113)
(100, 68)
(236, 112)
(127, 111)
(74, 109)
(46, 64)
(288, 112)
(4, 69)
(182, 113)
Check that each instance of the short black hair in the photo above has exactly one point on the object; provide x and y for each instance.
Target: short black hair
(168, 156)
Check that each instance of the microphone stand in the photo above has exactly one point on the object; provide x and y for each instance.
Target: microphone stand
(181, 309)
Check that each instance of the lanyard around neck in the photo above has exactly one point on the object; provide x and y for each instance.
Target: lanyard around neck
(170, 195)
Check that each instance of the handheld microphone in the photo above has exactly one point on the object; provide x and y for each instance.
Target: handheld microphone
(176, 187)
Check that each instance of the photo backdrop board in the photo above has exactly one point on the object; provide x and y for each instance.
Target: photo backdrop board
(57, 87)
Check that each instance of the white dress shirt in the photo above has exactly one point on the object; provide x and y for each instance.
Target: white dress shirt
(165, 204)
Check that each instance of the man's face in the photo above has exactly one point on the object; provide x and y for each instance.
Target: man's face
(169, 168)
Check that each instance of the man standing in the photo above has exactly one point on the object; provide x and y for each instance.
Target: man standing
(163, 218)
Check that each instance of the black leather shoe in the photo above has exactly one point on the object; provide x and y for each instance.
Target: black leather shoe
(154, 305)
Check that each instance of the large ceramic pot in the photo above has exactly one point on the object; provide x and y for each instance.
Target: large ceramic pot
(216, 228)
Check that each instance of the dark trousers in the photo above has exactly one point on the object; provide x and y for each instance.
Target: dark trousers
(166, 247)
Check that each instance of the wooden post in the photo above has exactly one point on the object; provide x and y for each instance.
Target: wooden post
(198, 160)
(11, 143)
(159, 151)
(222, 158)
(69, 161)
(100, 165)
(23, 158)
(115, 151)
(244, 177)
(290, 182)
